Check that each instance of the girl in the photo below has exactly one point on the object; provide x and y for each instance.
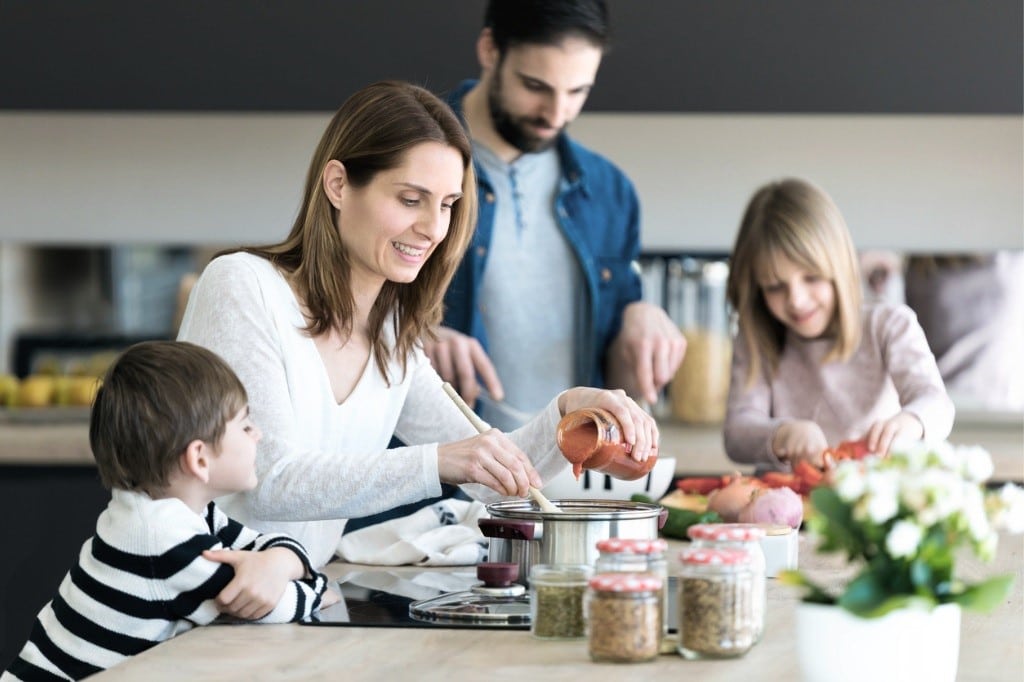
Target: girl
(324, 330)
(812, 365)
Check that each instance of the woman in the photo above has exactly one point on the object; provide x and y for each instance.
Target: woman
(324, 330)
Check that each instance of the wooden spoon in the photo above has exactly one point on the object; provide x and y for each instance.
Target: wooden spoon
(543, 502)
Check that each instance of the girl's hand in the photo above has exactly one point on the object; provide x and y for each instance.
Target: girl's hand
(329, 599)
(259, 582)
(881, 435)
(800, 440)
(490, 459)
(638, 428)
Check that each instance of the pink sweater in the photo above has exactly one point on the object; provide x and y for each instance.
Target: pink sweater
(892, 370)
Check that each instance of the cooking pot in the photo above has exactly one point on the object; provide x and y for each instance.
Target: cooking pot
(522, 534)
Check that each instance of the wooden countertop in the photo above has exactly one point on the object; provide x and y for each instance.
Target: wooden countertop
(991, 648)
(697, 448)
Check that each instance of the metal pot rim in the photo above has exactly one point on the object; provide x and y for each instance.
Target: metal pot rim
(575, 510)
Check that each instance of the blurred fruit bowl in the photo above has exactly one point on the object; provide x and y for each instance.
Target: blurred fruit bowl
(597, 486)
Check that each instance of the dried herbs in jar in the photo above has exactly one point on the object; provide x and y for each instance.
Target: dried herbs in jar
(719, 614)
(556, 600)
(624, 617)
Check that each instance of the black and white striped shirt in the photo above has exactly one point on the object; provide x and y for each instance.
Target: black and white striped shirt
(141, 580)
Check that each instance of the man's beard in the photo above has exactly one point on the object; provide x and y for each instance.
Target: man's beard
(512, 129)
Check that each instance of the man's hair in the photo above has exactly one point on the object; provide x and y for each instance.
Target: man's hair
(546, 22)
(155, 399)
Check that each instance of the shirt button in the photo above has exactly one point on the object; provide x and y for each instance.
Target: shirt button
(606, 275)
(480, 251)
(489, 197)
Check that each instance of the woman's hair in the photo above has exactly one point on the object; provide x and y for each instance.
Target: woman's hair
(372, 132)
(155, 399)
(796, 220)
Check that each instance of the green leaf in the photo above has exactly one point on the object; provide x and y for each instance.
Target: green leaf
(987, 595)
(814, 593)
(863, 595)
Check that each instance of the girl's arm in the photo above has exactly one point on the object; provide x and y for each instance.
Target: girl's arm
(749, 425)
(913, 370)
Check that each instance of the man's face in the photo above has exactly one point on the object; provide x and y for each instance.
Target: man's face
(537, 90)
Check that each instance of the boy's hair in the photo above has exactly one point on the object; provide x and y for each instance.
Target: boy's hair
(546, 22)
(797, 220)
(155, 399)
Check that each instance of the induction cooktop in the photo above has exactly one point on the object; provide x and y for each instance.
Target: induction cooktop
(380, 597)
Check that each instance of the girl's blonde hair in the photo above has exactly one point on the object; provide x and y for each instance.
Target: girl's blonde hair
(796, 220)
(372, 132)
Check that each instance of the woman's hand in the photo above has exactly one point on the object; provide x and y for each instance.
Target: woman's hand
(491, 459)
(881, 435)
(638, 428)
(800, 439)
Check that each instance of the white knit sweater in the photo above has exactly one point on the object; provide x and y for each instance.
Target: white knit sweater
(320, 463)
(141, 580)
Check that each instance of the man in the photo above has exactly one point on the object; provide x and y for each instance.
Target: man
(547, 296)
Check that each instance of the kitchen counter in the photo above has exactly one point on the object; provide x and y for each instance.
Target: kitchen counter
(698, 449)
(991, 648)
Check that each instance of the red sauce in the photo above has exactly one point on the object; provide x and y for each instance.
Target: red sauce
(591, 439)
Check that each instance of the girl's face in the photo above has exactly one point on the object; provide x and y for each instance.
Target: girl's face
(803, 301)
(392, 225)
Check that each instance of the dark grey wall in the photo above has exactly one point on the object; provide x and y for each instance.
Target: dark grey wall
(906, 56)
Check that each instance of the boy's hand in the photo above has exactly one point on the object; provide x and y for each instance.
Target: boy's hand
(329, 599)
(259, 582)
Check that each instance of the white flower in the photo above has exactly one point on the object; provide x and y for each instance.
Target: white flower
(848, 480)
(985, 548)
(903, 539)
(977, 463)
(973, 512)
(947, 455)
(1008, 509)
(881, 500)
(933, 494)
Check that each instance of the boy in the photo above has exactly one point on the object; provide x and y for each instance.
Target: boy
(170, 432)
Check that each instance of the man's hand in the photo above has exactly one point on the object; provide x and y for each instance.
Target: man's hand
(459, 358)
(645, 355)
(259, 582)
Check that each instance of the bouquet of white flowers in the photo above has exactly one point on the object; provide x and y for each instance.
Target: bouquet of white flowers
(903, 517)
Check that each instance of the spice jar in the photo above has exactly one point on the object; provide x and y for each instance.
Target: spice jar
(556, 600)
(624, 617)
(628, 555)
(717, 616)
(591, 438)
(742, 536)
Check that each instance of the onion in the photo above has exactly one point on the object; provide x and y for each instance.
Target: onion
(774, 505)
(731, 499)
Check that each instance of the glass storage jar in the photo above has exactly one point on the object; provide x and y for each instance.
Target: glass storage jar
(556, 600)
(624, 617)
(744, 536)
(591, 438)
(697, 303)
(629, 555)
(717, 616)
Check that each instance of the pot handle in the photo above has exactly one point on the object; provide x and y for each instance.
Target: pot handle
(507, 529)
(662, 517)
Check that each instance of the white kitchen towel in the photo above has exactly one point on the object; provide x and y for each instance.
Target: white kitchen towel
(443, 534)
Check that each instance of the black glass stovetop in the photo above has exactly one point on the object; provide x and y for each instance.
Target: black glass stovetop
(380, 597)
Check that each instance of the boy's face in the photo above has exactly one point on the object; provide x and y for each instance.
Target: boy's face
(233, 468)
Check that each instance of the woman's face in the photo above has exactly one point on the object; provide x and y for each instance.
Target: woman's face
(801, 300)
(391, 226)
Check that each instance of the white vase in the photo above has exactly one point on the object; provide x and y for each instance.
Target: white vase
(833, 645)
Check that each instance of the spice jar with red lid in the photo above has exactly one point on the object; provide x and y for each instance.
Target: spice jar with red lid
(591, 438)
(633, 555)
(717, 613)
(624, 617)
(742, 536)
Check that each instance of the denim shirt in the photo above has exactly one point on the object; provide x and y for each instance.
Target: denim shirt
(598, 210)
